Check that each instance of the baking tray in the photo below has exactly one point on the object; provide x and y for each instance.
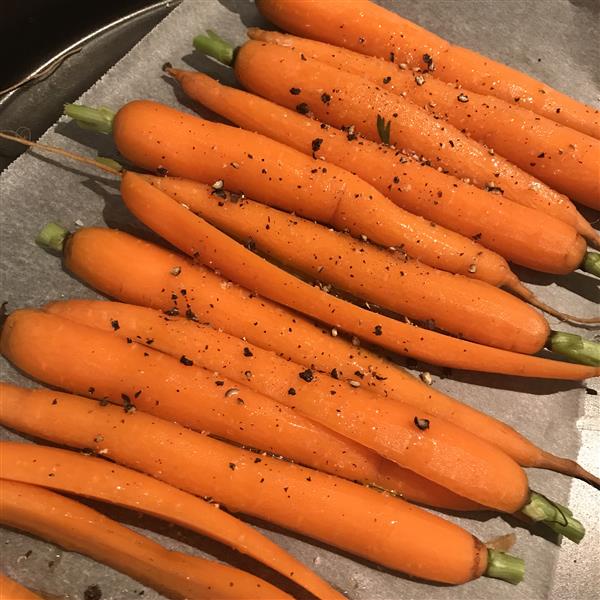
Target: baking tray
(552, 40)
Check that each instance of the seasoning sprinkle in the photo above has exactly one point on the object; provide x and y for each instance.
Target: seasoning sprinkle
(462, 98)
(247, 352)
(302, 108)
(292, 391)
(473, 268)
(307, 375)
(334, 373)
(115, 324)
(184, 360)
(355, 341)
(218, 185)
(316, 144)
(422, 424)
(378, 330)
(354, 383)
(419, 80)
(295, 91)
(334, 332)
(231, 392)
(426, 377)
(175, 271)
(325, 98)
(387, 79)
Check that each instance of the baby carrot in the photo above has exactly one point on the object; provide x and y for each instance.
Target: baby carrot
(382, 115)
(121, 371)
(197, 238)
(565, 159)
(11, 590)
(365, 27)
(375, 526)
(520, 234)
(101, 480)
(78, 528)
(156, 137)
(155, 277)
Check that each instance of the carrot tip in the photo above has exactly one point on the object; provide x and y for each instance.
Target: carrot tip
(567, 466)
(555, 516)
(52, 237)
(505, 566)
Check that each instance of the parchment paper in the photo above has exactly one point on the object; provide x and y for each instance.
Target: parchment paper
(551, 39)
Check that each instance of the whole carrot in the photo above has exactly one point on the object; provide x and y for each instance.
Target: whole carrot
(280, 176)
(122, 371)
(200, 240)
(155, 277)
(520, 234)
(365, 27)
(381, 115)
(454, 303)
(11, 590)
(102, 480)
(565, 159)
(375, 526)
(78, 528)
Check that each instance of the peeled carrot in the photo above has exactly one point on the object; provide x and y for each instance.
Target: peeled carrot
(78, 528)
(375, 112)
(101, 480)
(565, 159)
(520, 234)
(200, 240)
(356, 519)
(155, 277)
(106, 367)
(156, 137)
(11, 590)
(365, 27)
(470, 309)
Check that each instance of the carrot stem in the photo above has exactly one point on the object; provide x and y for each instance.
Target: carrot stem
(575, 347)
(216, 47)
(52, 237)
(591, 263)
(96, 119)
(505, 566)
(559, 518)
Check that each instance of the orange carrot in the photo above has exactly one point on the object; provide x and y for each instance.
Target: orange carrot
(365, 27)
(200, 240)
(155, 277)
(231, 411)
(156, 137)
(470, 309)
(375, 112)
(356, 519)
(520, 234)
(11, 590)
(106, 367)
(78, 528)
(101, 480)
(565, 159)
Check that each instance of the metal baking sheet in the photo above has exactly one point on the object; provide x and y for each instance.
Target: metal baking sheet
(551, 39)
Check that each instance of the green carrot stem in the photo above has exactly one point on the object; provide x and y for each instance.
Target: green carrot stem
(97, 119)
(575, 347)
(505, 566)
(213, 45)
(591, 263)
(52, 237)
(555, 516)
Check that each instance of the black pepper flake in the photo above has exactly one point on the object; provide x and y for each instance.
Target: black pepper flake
(462, 98)
(422, 424)
(104, 402)
(129, 340)
(316, 144)
(494, 189)
(325, 98)
(257, 460)
(378, 376)
(292, 391)
(219, 383)
(184, 360)
(172, 312)
(250, 244)
(295, 91)
(427, 59)
(306, 375)
(334, 373)
(387, 79)
(302, 57)
(396, 179)
(115, 324)
(190, 315)
(128, 405)
(162, 171)
(220, 193)
(54, 402)
(378, 330)
(541, 155)
(392, 57)
(92, 592)
(302, 108)
(232, 466)
(248, 352)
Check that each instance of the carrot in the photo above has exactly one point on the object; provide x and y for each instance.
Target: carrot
(231, 411)
(101, 480)
(364, 27)
(198, 239)
(520, 234)
(565, 159)
(157, 137)
(106, 367)
(155, 277)
(11, 590)
(454, 303)
(350, 517)
(382, 115)
(78, 528)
